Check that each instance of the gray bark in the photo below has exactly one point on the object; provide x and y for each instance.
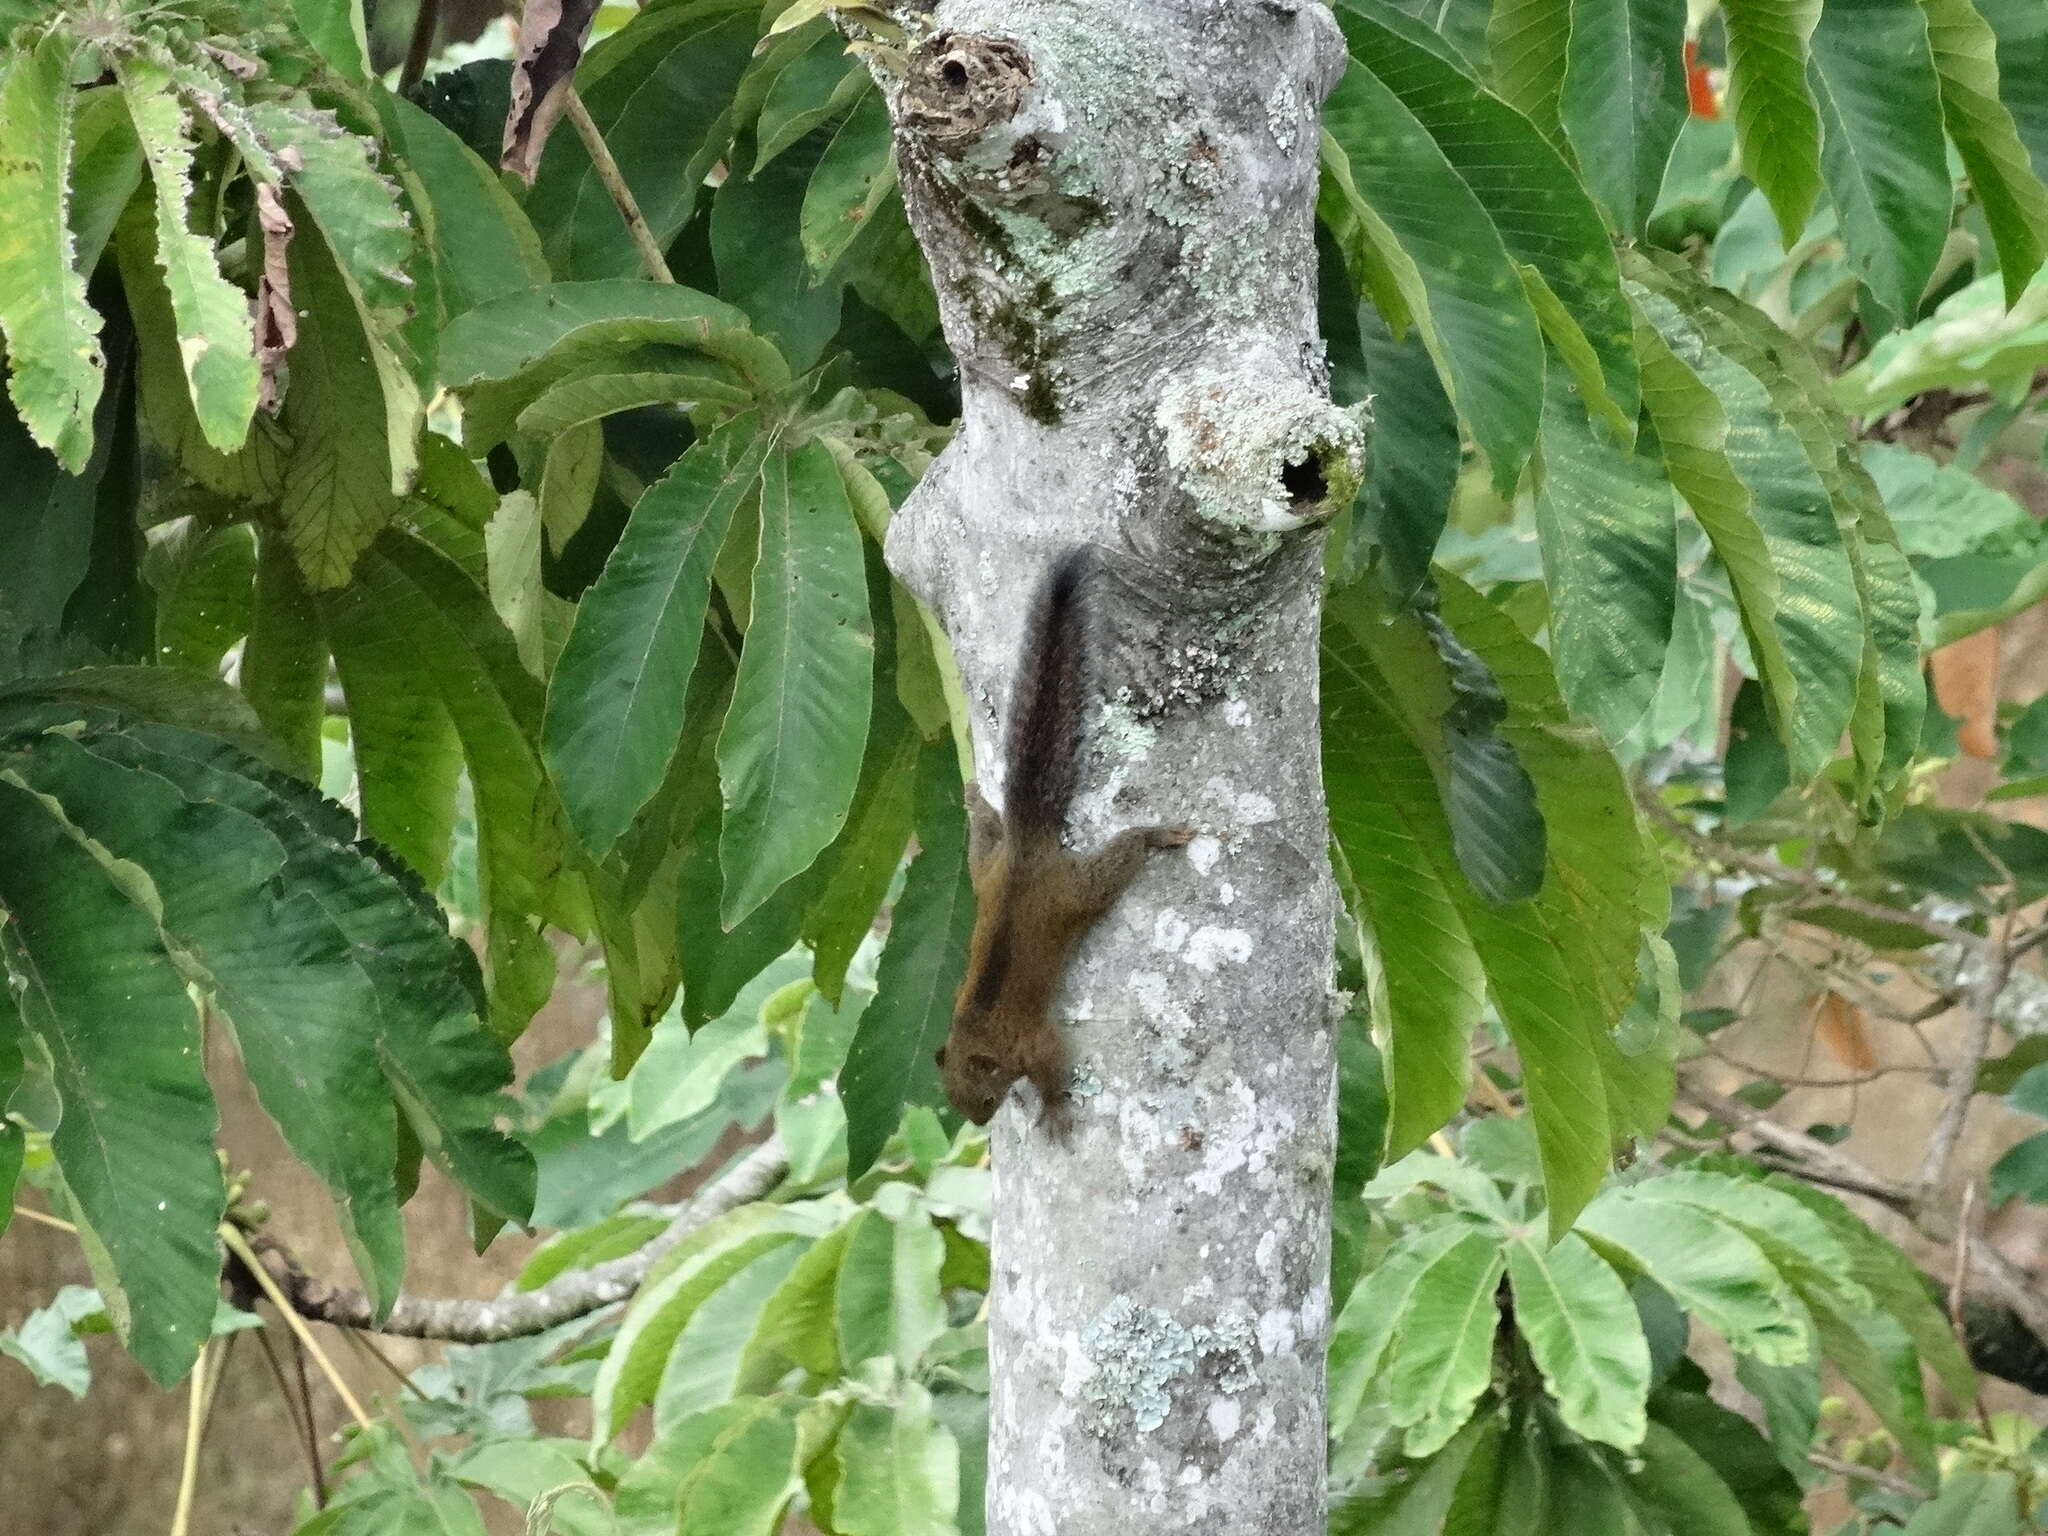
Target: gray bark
(1117, 201)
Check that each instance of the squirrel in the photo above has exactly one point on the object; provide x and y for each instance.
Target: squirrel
(1034, 898)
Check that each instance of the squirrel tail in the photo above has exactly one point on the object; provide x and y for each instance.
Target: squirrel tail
(1043, 748)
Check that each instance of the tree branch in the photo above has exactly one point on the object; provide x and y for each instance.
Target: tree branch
(462, 1320)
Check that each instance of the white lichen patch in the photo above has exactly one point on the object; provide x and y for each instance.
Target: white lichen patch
(1239, 808)
(1224, 1418)
(1242, 1139)
(1210, 948)
(1170, 932)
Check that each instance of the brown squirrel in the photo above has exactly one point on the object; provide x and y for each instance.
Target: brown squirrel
(1034, 898)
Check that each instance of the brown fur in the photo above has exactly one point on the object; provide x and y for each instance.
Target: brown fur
(1034, 898)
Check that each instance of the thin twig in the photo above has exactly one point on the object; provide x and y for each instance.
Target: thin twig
(195, 1424)
(1962, 1082)
(1777, 874)
(312, 1419)
(1884, 1480)
(614, 180)
(239, 1246)
(302, 1426)
(522, 1314)
(426, 25)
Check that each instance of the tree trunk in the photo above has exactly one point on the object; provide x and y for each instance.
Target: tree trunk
(1117, 202)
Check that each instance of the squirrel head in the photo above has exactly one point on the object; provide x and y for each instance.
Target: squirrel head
(976, 1081)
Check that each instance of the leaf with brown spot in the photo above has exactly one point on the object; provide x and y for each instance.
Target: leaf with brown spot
(1966, 688)
(551, 34)
(1844, 1030)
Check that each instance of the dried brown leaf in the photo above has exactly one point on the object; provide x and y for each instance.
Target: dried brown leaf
(1844, 1030)
(551, 34)
(277, 324)
(1966, 687)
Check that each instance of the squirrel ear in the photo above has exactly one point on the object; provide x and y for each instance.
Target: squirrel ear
(939, 1058)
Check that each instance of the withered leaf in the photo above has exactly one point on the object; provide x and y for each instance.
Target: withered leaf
(551, 34)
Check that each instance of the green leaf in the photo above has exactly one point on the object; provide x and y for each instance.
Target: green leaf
(711, 1354)
(615, 704)
(1486, 339)
(1711, 1269)
(599, 1243)
(1526, 43)
(1980, 125)
(1797, 593)
(888, 1295)
(1775, 121)
(418, 604)
(586, 398)
(1539, 209)
(1743, 1459)
(661, 91)
(280, 973)
(47, 1345)
(285, 658)
(1583, 1332)
(1970, 341)
(1882, 154)
(865, 860)
(2022, 31)
(1632, 51)
(1444, 1358)
(481, 243)
(135, 1143)
(335, 29)
(106, 168)
(1684, 1488)
(811, 90)
(55, 370)
(503, 354)
(2021, 1172)
(1416, 452)
(1893, 1281)
(855, 175)
(1423, 1504)
(729, 1470)
(789, 753)
(1607, 525)
(757, 243)
(890, 1062)
(797, 1325)
(354, 416)
(1561, 968)
(355, 207)
(898, 1469)
(447, 1073)
(683, 1278)
(1372, 1315)
(512, 566)
(203, 576)
(1971, 1503)
(216, 342)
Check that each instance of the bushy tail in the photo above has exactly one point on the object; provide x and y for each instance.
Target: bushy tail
(1044, 743)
